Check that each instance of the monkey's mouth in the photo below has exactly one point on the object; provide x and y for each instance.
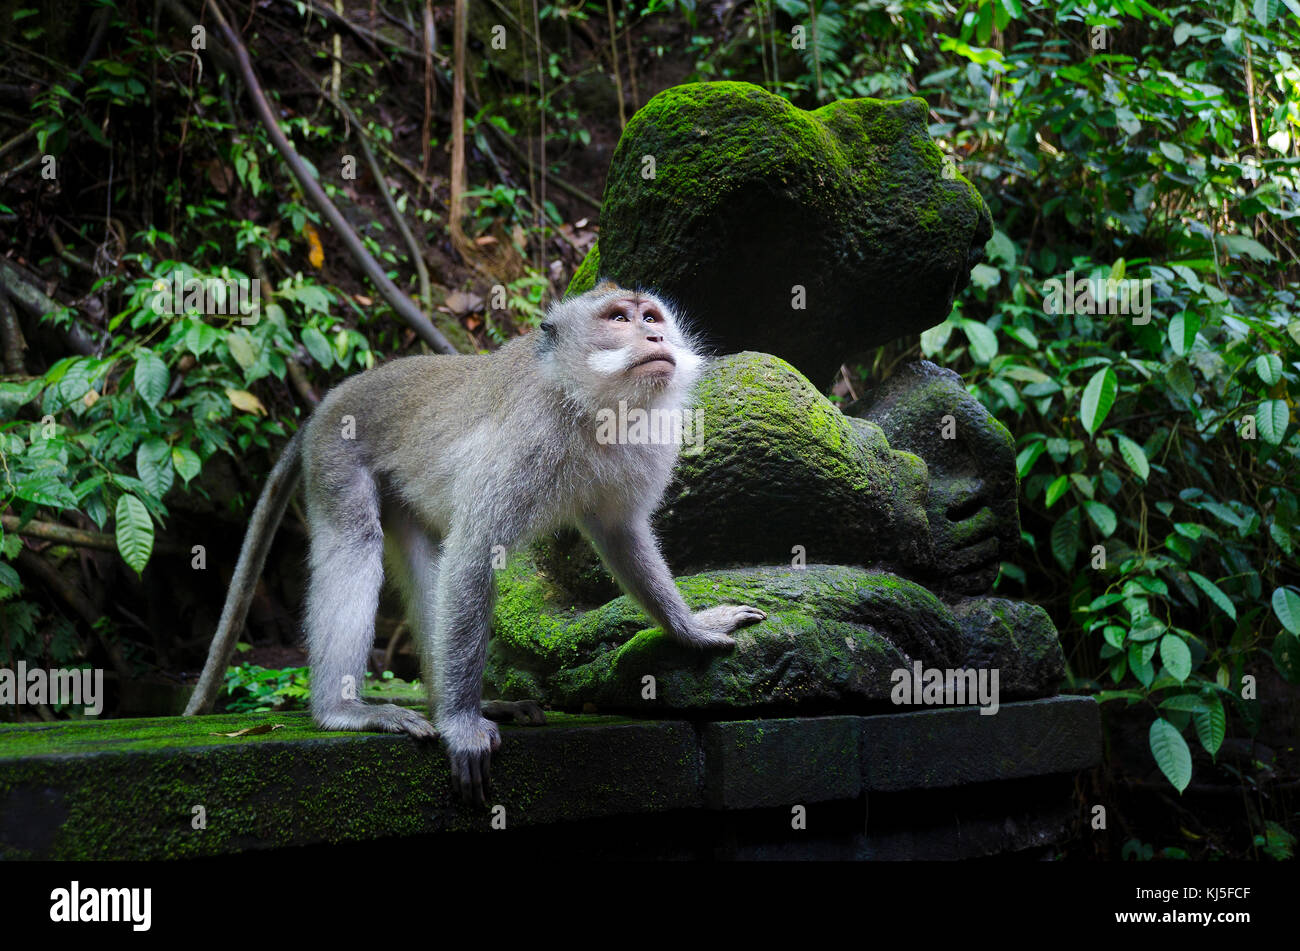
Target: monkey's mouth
(654, 358)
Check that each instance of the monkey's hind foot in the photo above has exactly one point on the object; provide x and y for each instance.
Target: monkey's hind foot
(527, 712)
(384, 717)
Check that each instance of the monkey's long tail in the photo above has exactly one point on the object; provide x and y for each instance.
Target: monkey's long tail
(252, 556)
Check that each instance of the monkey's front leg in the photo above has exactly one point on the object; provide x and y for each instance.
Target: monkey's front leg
(631, 554)
(466, 591)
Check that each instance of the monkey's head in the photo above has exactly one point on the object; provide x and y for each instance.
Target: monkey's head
(612, 344)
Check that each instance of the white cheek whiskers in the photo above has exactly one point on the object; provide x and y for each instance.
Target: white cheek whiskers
(610, 362)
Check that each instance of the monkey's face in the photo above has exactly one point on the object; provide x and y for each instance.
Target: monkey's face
(630, 338)
(613, 344)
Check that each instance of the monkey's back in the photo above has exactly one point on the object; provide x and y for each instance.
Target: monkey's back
(421, 423)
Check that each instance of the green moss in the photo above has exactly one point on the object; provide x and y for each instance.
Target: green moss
(585, 277)
(128, 788)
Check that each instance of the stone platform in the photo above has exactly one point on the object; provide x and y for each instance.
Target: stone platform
(931, 783)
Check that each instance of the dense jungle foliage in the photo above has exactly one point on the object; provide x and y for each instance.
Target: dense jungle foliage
(1152, 145)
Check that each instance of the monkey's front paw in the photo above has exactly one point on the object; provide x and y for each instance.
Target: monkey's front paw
(470, 742)
(713, 627)
(527, 712)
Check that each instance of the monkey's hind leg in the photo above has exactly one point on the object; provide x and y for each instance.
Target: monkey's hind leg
(347, 571)
(413, 558)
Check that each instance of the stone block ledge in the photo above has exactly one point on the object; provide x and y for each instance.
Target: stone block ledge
(134, 789)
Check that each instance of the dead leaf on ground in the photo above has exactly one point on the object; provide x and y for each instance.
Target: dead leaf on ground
(253, 730)
(461, 303)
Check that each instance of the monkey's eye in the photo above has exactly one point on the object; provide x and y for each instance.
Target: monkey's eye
(617, 316)
(649, 318)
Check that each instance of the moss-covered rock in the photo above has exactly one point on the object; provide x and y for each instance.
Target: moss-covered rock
(972, 506)
(833, 637)
(781, 472)
(752, 197)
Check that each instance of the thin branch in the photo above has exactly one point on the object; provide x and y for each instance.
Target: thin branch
(363, 137)
(67, 535)
(30, 562)
(401, 304)
(22, 287)
(11, 337)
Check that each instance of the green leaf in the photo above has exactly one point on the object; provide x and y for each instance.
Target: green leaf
(318, 347)
(1238, 244)
(1001, 248)
(1286, 605)
(1171, 753)
(151, 377)
(1028, 456)
(1082, 484)
(1148, 630)
(134, 532)
(1139, 661)
(1103, 516)
(1269, 368)
(983, 342)
(1176, 656)
(1214, 593)
(1057, 489)
(240, 345)
(1113, 635)
(186, 463)
(1286, 656)
(1065, 539)
(153, 466)
(1183, 329)
(1281, 537)
(1179, 546)
(1181, 380)
(200, 337)
(46, 486)
(1098, 398)
(1272, 420)
(1188, 702)
(1135, 457)
(1210, 724)
(935, 339)
(1172, 152)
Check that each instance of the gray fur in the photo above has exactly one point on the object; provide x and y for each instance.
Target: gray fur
(444, 458)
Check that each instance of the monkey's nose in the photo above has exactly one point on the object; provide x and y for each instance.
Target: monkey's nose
(658, 338)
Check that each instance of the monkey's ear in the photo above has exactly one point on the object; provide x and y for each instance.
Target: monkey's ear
(548, 328)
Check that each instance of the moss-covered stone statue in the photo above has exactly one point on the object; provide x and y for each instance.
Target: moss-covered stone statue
(872, 540)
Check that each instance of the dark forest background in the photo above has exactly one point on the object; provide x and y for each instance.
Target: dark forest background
(1119, 139)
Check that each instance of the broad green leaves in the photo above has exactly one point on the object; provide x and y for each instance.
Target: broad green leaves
(1286, 605)
(1272, 420)
(1214, 593)
(1098, 398)
(1171, 753)
(1135, 457)
(151, 377)
(1176, 657)
(134, 532)
(1183, 329)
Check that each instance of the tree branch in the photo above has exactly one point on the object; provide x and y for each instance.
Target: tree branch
(403, 305)
(67, 535)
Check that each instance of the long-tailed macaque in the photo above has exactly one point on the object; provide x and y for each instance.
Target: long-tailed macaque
(434, 462)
